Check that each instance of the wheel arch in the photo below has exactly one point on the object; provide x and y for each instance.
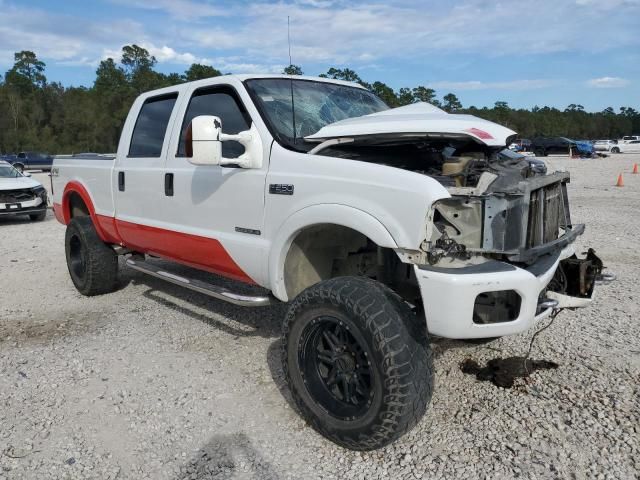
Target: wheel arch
(77, 201)
(304, 222)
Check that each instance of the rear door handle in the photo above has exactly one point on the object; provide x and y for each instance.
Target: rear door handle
(121, 181)
(168, 184)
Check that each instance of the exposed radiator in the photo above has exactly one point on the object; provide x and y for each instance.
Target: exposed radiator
(546, 214)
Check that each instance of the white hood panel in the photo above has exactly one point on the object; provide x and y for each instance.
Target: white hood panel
(16, 183)
(418, 118)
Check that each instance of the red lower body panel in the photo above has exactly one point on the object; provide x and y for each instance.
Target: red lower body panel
(57, 211)
(107, 229)
(199, 252)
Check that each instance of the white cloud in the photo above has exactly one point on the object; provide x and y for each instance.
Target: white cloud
(253, 33)
(608, 82)
(169, 55)
(479, 85)
(60, 38)
(607, 4)
(178, 9)
(354, 33)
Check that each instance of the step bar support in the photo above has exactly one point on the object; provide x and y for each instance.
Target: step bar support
(219, 293)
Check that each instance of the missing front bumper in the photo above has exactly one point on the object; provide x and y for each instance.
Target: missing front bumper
(575, 278)
(450, 296)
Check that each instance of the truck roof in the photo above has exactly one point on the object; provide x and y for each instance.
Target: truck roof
(241, 78)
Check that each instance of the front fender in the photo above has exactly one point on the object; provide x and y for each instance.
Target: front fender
(315, 215)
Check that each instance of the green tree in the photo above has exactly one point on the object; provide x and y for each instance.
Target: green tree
(572, 107)
(50, 117)
(110, 78)
(136, 58)
(386, 93)
(424, 94)
(405, 96)
(113, 96)
(27, 72)
(292, 70)
(451, 103)
(198, 71)
(138, 65)
(346, 74)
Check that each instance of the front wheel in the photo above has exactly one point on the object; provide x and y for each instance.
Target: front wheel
(357, 362)
(93, 265)
(615, 150)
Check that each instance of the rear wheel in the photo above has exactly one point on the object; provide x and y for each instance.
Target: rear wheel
(93, 265)
(356, 362)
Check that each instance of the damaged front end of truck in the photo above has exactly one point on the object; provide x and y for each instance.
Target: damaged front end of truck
(498, 252)
(522, 222)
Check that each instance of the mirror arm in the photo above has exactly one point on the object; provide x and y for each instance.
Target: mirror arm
(250, 140)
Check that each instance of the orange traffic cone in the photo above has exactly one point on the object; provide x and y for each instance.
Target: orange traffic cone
(635, 168)
(620, 182)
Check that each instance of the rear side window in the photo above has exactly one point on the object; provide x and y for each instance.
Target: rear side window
(221, 102)
(151, 126)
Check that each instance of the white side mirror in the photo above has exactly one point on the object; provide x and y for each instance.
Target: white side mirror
(26, 174)
(203, 144)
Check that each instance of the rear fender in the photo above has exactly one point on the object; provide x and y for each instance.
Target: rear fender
(105, 226)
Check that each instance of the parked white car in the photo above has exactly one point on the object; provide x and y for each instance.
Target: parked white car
(317, 191)
(631, 146)
(629, 138)
(604, 145)
(20, 194)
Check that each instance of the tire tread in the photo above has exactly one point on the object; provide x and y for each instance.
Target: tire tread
(407, 361)
(101, 275)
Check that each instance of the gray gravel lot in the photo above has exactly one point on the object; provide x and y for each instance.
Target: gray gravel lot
(156, 382)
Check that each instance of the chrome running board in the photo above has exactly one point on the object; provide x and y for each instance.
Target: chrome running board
(211, 290)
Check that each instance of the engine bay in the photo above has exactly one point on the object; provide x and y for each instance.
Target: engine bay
(452, 162)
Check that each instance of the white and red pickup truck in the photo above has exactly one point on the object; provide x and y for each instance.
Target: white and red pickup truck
(380, 227)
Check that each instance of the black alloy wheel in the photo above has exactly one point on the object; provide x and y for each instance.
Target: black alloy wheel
(357, 362)
(336, 367)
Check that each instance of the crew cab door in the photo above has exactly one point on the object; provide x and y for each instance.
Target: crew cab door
(216, 211)
(138, 178)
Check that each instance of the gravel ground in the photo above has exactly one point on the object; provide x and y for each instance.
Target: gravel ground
(156, 382)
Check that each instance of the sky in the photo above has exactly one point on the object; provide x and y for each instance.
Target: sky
(527, 53)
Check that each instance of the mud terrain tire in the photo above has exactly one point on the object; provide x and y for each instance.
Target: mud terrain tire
(382, 376)
(92, 264)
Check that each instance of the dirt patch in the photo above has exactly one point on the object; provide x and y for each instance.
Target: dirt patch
(503, 372)
(48, 329)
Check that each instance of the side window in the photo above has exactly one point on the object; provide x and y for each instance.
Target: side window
(221, 102)
(151, 126)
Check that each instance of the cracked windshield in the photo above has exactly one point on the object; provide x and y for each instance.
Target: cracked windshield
(316, 104)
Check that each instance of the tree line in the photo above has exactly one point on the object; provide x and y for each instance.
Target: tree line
(46, 116)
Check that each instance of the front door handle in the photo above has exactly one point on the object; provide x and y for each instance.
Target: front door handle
(168, 184)
(121, 181)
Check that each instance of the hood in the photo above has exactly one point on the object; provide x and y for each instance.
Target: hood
(417, 118)
(16, 183)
